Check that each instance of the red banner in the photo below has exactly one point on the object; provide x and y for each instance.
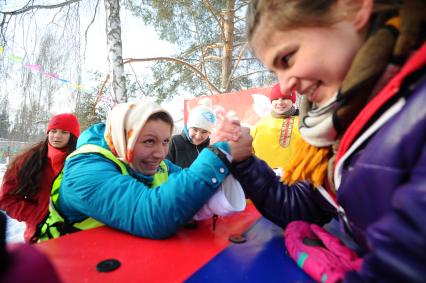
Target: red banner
(249, 105)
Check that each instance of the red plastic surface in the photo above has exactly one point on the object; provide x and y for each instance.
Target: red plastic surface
(75, 256)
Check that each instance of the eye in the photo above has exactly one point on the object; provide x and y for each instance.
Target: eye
(166, 142)
(149, 142)
(284, 61)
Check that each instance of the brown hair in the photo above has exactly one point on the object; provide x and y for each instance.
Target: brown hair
(33, 161)
(163, 116)
(287, 14)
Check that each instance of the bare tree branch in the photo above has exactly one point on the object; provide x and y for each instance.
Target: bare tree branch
(88, 26)
(236, 64)
(213, 58)
(100, 94)
(213, 45)
(5, 16)
(217, 15)
(197, 72)
(201, 65)
(27, 8)
(249, 74)
(136, 77)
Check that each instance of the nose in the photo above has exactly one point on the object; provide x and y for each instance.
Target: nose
(160, 151)
(288, 84)
(196, 136)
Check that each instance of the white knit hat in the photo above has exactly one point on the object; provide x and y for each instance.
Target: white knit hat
(202, 116)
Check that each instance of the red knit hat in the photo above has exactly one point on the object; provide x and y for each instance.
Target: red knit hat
(277, 94)
(66, 122)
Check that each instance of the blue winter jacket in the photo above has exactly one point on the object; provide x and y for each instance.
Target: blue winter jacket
(382, 190)
(93, 186)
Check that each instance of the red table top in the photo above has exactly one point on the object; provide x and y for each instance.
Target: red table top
(75, 256)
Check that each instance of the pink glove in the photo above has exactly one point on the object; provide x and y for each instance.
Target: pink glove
(321, 255)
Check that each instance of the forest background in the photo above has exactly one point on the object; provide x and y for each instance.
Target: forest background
(84, 56)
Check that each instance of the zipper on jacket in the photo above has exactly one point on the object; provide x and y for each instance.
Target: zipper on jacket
(340, 211)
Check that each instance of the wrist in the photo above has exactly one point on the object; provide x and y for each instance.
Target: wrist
(221, 154)
(223, 145)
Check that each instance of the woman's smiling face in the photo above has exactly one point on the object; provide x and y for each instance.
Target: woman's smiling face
(151, 147)
(281, 105)
(310, 60)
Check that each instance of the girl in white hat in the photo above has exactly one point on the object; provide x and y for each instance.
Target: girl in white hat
(185, 147)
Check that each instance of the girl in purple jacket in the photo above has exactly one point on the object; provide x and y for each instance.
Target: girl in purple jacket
(360, 66)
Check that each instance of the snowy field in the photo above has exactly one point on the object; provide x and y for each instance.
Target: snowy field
(15, 229)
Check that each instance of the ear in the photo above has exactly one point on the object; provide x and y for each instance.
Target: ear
(362, 15)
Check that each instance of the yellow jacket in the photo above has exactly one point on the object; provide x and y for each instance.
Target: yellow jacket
(274, 139)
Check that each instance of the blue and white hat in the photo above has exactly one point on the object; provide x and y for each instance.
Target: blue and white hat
(202, 116)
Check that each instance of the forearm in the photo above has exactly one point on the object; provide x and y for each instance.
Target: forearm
(185, 193)
(277, 201)
(127, 204)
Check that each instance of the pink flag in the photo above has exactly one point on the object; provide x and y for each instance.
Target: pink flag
(55, 76)
(33, 67)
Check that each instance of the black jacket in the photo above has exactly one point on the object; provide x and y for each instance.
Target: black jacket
(183, 152)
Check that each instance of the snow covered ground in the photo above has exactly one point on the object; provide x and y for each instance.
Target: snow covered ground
(15, 229)
(3, 167)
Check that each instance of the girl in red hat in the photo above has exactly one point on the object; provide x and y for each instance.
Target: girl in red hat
(25, 190)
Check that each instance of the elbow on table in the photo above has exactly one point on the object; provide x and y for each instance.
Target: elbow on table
(157, 232)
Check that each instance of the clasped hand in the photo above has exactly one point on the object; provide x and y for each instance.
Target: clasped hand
(228, 128)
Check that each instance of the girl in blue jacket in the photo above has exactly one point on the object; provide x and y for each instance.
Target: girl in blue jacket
(360, 67)
(118, 176)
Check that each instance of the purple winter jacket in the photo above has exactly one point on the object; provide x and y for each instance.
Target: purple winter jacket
(382, 191)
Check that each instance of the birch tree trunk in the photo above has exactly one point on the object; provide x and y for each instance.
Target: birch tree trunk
(228, 46)
(115, 58)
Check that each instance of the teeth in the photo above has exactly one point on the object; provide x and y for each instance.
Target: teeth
(311, 90)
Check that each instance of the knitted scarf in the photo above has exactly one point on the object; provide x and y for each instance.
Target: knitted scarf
(372, 68)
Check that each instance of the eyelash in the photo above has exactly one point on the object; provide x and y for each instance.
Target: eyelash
(284, 60)
(151, 142)
(59, 131)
